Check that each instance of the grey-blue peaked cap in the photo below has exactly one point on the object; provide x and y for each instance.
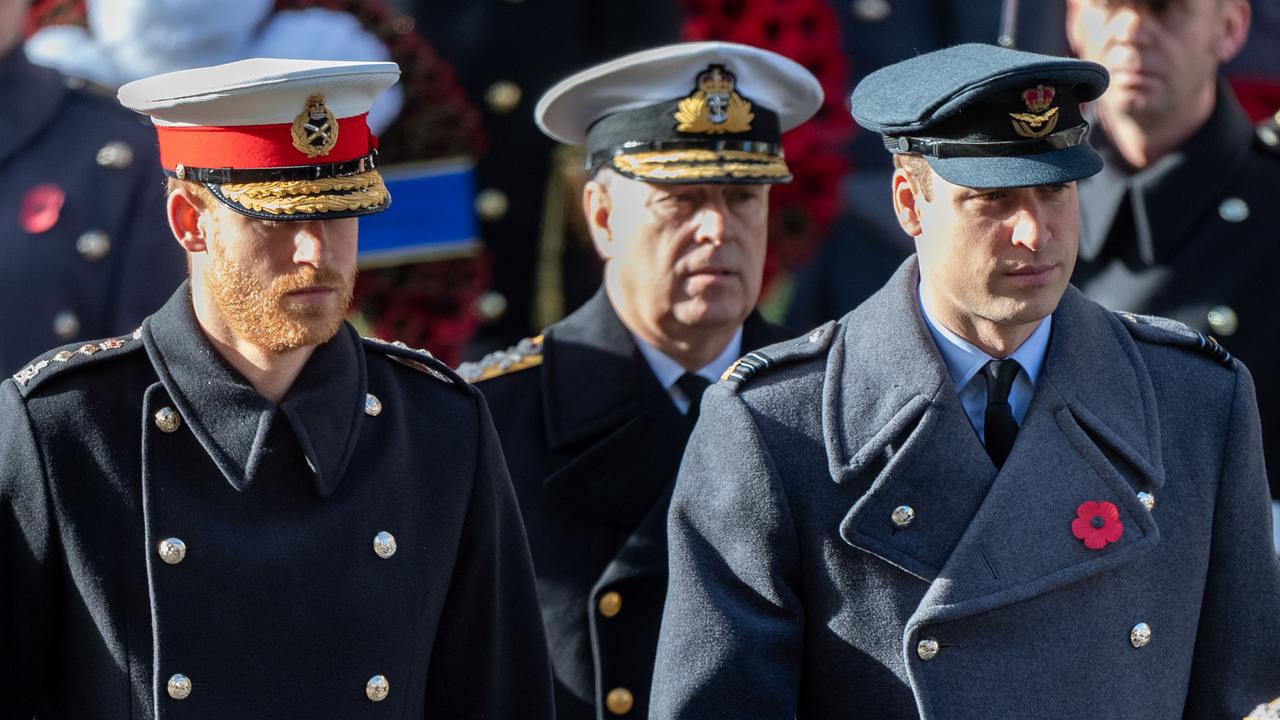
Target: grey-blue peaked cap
(958, 107)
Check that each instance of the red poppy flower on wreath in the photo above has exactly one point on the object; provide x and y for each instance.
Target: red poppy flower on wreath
(1097, 524)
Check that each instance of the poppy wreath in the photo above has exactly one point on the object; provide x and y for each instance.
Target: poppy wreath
(1097, 524)
(807, 31)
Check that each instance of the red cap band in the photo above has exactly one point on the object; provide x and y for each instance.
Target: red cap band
(245, 147)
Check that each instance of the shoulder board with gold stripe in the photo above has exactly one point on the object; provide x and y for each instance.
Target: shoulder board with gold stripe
(757, 362)
(1164, 331)
(523, 355)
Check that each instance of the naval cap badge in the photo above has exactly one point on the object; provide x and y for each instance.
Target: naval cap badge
(315, 130)
(1042, 118)
(714, 107)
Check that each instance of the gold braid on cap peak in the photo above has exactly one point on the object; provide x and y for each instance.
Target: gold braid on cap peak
(701, 164)
(289, 197)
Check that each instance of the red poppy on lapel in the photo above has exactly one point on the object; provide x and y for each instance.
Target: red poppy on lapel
(1097, 524)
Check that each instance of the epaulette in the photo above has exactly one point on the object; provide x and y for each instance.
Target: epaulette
(757, 361)
(523, 355)
(64, 359)
(1268, 133)
(1171, 332)
(416, 358)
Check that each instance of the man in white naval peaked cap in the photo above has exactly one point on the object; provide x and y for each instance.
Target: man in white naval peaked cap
(682, 144)
(244, 509)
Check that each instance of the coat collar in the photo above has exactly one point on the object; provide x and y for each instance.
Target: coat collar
(595, 378)
(1168, 197)
(324, 407)
(36, 94)
(982, 538)
(604, 409)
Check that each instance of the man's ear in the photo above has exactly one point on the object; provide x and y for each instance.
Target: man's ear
(185, 209)
(597, 205)
(1236, 17)
(905, 203)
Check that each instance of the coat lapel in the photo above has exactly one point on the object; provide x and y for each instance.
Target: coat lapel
(885, 438)
(232, 421)
(1090, 433)
(602, 400)
(604, 409)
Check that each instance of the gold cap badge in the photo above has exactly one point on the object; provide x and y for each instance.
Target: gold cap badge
(714, 107)
(1042, 119)
(315, 130)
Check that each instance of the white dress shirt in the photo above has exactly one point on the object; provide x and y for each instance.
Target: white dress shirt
(965, 362)
(668, 371)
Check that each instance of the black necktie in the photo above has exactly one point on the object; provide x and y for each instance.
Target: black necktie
(693, 385)
(998, 424)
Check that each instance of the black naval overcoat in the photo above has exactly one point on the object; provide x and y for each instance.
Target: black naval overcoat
(160, 519)
(106, 258)
(593, 443)
(1194, 238)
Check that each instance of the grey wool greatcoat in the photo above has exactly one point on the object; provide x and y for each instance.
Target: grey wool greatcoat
(794, 594)
(593, 443)
(284, 600)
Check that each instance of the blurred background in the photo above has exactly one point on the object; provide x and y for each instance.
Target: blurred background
(484, 244)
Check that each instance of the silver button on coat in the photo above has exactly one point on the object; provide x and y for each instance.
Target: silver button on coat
(172, 550)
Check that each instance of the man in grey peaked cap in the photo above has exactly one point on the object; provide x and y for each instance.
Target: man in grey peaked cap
(243, 509)
(979, 494)
(682, 144)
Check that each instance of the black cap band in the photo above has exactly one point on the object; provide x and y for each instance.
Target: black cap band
(277, 174)
(654, 128)
(941, 148)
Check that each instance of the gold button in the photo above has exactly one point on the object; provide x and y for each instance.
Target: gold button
(610, 604)
(903, 515)
(172, 550)
(179, 686)
(1223, 320)
(115, 154)
(384, 544)
(1140, 635)
(491, 205)
(93, 245)
(927, 649)
(66, 325)
(1148, 500)
(372, 405)
(168, 419)
(619, 701)
(503, 96)
(377, 688)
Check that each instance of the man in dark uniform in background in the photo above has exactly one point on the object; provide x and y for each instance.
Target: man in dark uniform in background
(1182, 220)
(682, 144)
(979, 494)
(243, 509)
(84, 251)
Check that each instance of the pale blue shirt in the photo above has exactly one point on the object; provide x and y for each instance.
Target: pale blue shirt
(668, 371)
(965, 362)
